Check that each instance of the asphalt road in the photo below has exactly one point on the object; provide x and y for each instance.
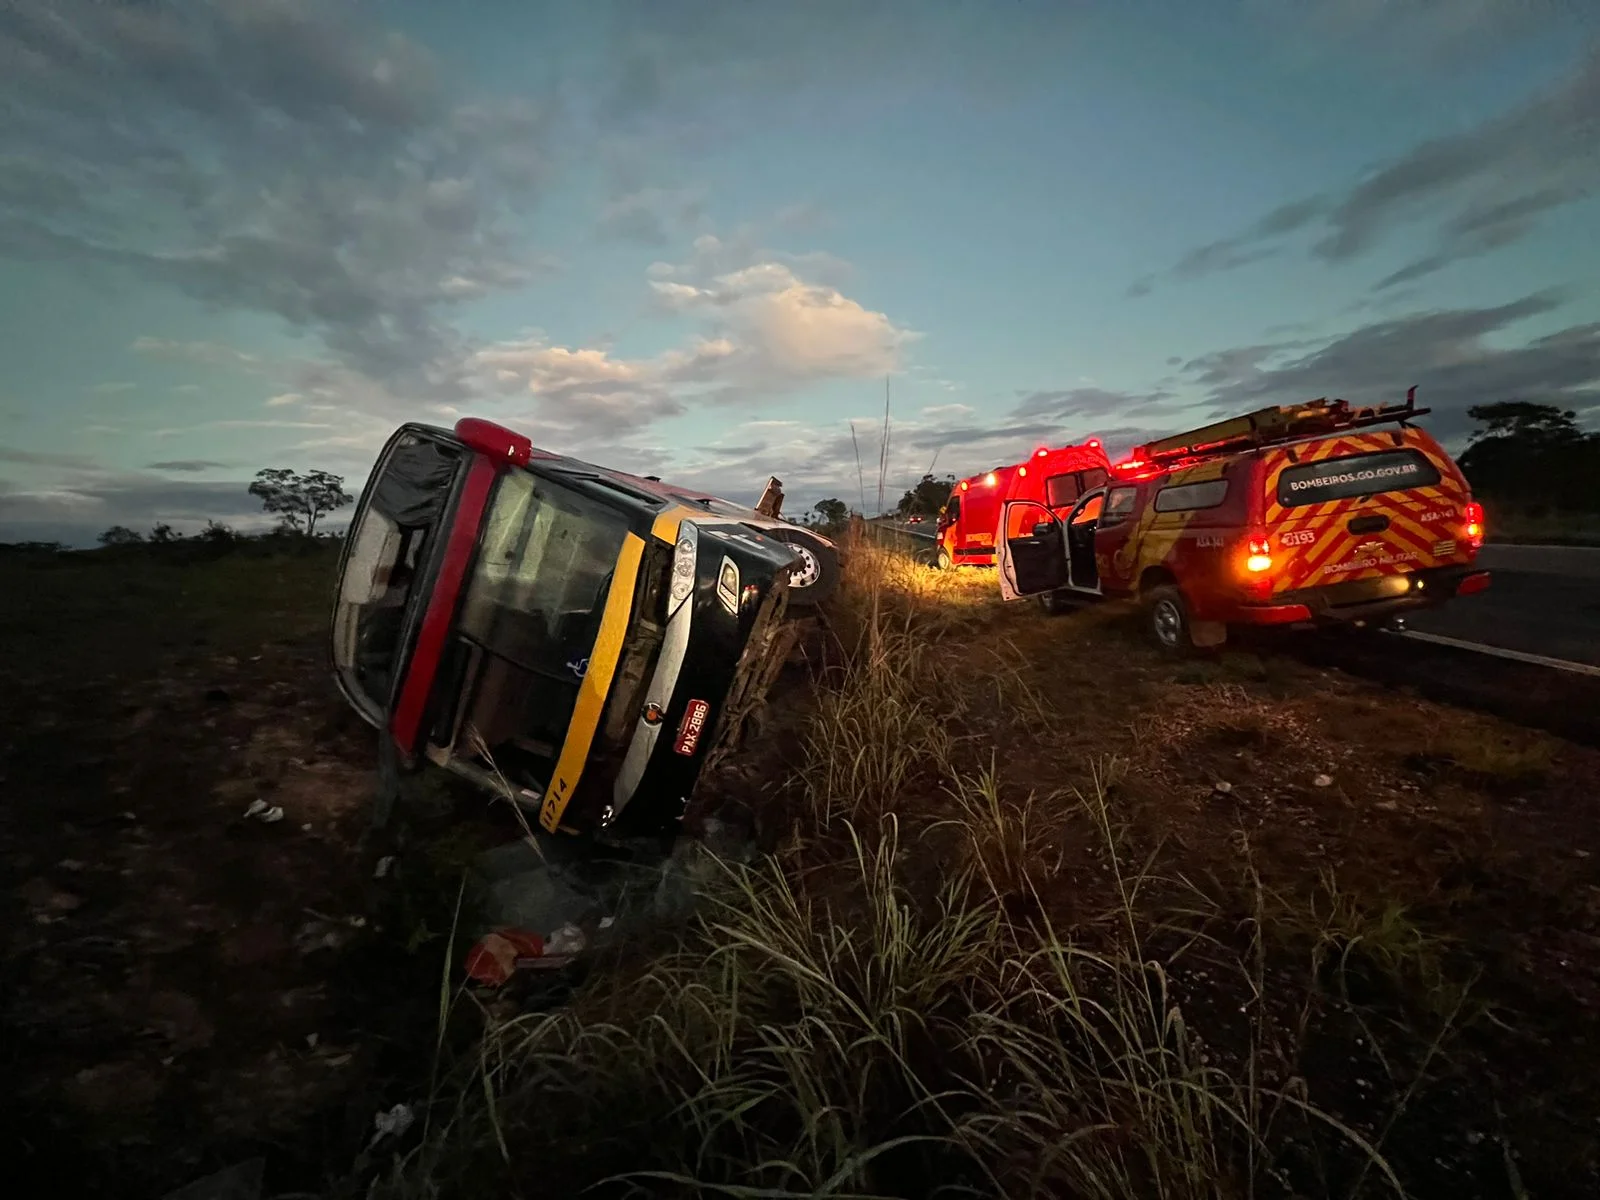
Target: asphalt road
(1543, 600)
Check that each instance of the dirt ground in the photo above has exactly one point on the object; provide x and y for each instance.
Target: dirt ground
(184, 987)
(1454, 856)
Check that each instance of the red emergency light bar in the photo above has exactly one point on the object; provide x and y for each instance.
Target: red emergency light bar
(1043, 451)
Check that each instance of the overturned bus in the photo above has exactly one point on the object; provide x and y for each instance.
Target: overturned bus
(577, 638)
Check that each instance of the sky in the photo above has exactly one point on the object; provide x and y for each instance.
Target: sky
(700, 238)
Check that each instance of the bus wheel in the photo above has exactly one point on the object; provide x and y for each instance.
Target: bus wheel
(1166, 616)
(943, 561)
(814, 578)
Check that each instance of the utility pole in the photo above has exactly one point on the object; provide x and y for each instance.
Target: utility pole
(883, 446)
(861, 481)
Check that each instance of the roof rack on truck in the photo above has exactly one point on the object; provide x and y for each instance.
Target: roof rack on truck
(1271, 426)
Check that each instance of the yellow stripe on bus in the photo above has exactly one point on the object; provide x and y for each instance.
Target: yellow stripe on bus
(603, 660)
(668, 520)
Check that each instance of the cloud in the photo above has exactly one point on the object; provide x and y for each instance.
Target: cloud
(1076, 404)
(650, 215)
(303, 165)
(32, 458)
(112, 388)
(1456, 357)
(187, 464)
(697, 63)
(283, 400)
(766, 331)
(211, 354)
(78, 512)
(1442, 35)
(1497, 178)
(784, 328)
(1241, 250)
(936, 411)
(1479, 190)
(237, 424)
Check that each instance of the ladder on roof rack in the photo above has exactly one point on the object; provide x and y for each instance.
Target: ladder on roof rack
(1282, 423)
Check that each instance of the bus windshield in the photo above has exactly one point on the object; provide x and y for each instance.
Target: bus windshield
(543, 570)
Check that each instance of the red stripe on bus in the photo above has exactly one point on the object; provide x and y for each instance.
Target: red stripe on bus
(436, 622)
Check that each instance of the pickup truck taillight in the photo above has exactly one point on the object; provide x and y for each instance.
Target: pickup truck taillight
(1472, 517)
(1259, 557)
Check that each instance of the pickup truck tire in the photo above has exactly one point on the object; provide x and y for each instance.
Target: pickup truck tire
(816, 576)
(1166, 618)
(1054, 603)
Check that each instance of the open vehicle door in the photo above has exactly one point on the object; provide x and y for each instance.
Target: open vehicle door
(1032, 554)
(1082, 524)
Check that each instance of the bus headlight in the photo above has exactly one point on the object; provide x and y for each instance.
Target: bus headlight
(683, 564)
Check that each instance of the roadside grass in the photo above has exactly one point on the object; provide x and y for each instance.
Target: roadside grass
(893, 1005)
(1017, 940)
(86, 613)
(1508, 759)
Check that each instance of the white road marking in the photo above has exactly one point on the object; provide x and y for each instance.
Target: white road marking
(1538, 660)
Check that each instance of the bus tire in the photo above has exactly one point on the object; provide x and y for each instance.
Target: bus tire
(1166, 620)
(814, 578)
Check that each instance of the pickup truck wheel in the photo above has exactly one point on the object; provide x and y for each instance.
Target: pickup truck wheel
(1166, 616)
(814, 578)
(1053, 603)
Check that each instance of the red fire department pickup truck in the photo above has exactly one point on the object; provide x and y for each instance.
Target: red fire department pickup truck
(1297, 515)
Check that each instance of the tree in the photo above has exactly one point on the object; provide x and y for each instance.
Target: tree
(928, 497)
(831, 512)
(121, 535)
(1525, 422)
(1532, 457)
(161, 533)
(217, 534)
(300, 501)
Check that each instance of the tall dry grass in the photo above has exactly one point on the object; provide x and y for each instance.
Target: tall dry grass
(870, 1023)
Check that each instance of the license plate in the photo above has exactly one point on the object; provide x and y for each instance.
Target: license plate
(694, 724)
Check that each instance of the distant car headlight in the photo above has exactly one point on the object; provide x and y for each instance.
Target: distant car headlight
(683, 564)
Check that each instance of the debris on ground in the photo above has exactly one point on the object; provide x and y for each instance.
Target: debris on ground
(267, 814)
(497, 956)
(394, 1123)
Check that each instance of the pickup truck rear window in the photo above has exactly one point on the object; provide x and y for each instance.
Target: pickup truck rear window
(1355, 475)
